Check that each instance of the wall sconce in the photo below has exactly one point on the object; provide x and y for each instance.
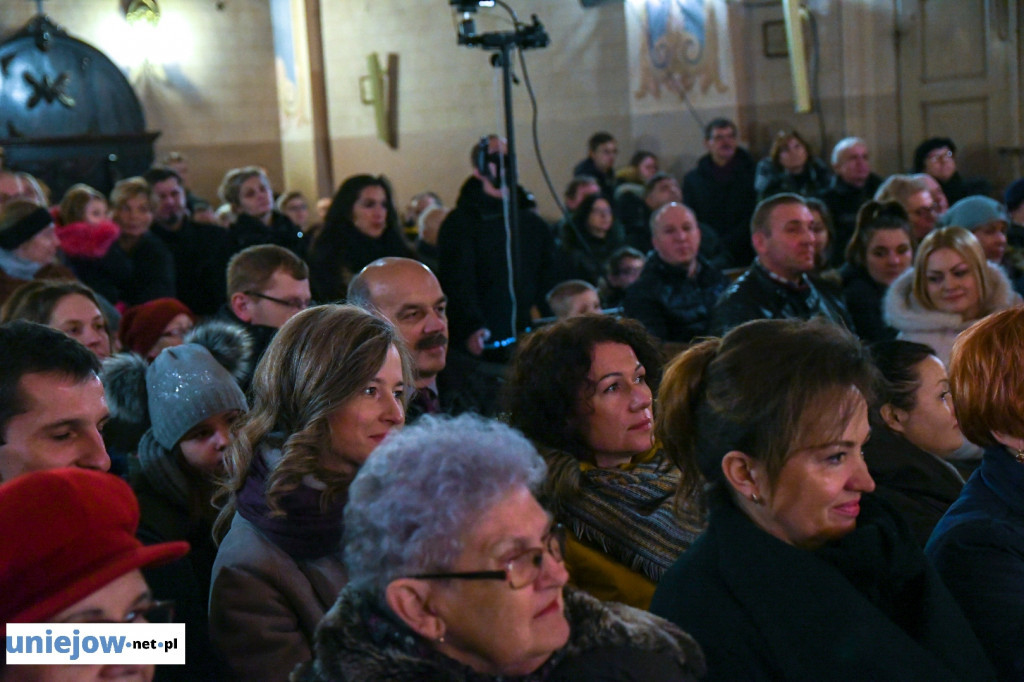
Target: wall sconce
(139, 11)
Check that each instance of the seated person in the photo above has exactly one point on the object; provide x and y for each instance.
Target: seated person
(622, 269)
(66, 305)
(659, 190)
(791, 167)
(720, 190)
(149, 328)
(881, 249)
(588, 239)
(28, 246)
(267, 285)
(990, 224)
(936, 156)
(247, 191)
(915, 198)
(776, 286)
(600, 162)
(913, 429)
(456, 573)
(582, 391)
(572, 298)
(852, 185)
(76, 562)
(801, 573)
(677, 289)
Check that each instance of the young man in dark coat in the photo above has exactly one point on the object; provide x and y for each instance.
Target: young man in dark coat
(200, 251)
(720, 190)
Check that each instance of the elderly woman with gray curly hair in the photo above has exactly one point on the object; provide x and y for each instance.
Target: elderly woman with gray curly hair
(456, 573)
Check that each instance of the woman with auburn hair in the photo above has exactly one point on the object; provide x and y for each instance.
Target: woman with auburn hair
(950, 288)
(791, 167)
(361, 226)
(800, 574)
(978, 546)
(581, 389)
(879, 251)
(329, 389)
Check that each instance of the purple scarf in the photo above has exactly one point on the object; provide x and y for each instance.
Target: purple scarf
(304, 532)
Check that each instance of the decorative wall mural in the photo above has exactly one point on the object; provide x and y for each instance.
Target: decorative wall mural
(678, 48)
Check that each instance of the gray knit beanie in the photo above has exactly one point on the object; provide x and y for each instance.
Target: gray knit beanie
(184, 386)
(972, 212)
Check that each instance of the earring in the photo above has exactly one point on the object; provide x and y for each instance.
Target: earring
(754, 498)
(1020, 453)
(440, 640)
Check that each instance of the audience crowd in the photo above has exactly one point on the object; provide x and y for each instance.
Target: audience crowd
(365, 443)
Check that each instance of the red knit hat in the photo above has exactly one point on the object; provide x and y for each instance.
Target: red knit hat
(67, 533)
(142, 325)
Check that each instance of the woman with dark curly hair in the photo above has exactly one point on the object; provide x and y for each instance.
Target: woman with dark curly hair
(581, 389)
(361, 226)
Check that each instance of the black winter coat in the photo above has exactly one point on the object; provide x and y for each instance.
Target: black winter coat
(978, 549)
(473, 267)
(756, 296)
(200, 253)
(248, 231)
(765, 610)
(915, 483)
(670, 304)
(863, 297)
(843, 201)
(725, 206)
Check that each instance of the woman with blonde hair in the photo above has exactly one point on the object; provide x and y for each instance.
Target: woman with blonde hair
(66, 305)
(950, 287)
(328, 390)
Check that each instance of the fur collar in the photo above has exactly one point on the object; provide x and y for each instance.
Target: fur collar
(355, 641)
(85, 240)
(905, 313)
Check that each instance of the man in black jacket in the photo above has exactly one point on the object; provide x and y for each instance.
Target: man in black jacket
(852, 185)
(475, 251)
(677, 288)
(720, 190)
(776, 286)
(200, 251)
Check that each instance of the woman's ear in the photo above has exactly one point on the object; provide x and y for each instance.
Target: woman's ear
(894, 417)
(744, 474)
(409, 599)
(1014, 443)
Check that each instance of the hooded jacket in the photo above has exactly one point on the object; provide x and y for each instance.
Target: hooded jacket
(474, 270)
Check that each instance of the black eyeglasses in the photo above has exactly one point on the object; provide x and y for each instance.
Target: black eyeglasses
(296, 303)
(521, 570)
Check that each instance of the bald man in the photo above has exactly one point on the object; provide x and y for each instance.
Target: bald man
(677, 288)
(408, 294)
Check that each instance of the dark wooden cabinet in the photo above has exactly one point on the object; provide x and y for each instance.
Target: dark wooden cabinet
(67, 113)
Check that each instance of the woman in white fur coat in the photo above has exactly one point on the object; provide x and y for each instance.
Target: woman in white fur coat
(950, 287)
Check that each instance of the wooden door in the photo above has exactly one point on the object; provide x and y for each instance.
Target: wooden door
(958, 78)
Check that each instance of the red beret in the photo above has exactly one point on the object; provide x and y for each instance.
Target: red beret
(142, 325)
(67, 533)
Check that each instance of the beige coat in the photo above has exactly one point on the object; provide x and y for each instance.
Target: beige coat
(265, 606)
